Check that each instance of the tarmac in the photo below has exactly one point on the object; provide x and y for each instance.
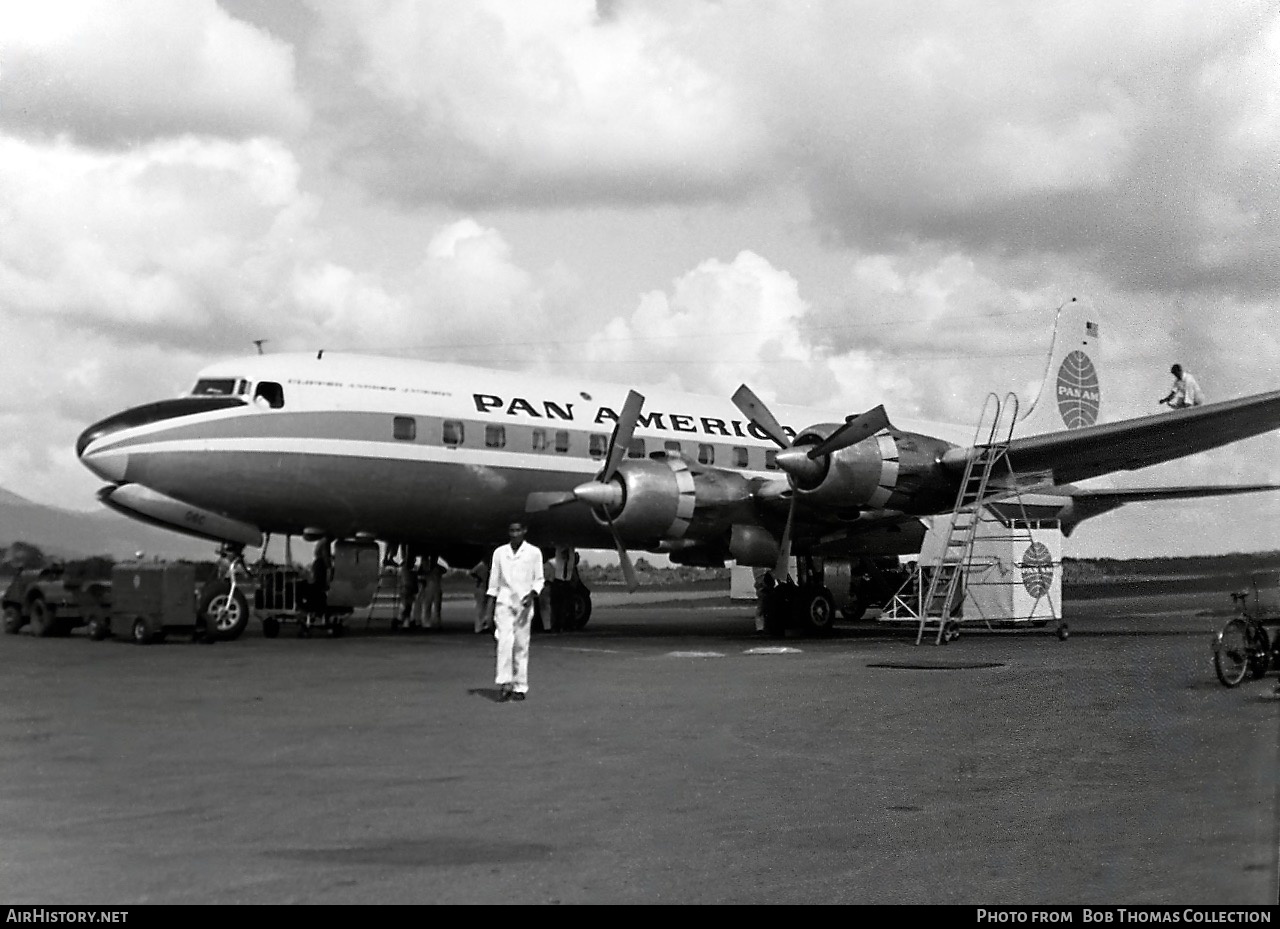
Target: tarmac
(665, 755)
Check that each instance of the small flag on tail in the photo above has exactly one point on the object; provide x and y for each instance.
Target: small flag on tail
(1091, 329)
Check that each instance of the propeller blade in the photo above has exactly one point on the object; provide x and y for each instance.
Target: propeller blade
(623, 429)
(855, 429)
(628, 569)
(783, 570)
(751, 407)
(540, 501)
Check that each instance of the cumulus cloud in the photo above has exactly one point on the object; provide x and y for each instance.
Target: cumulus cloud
(464, 295)
(1074, 130)
(478, 102)
(131, 70)
(1133, 138)
(169, 241)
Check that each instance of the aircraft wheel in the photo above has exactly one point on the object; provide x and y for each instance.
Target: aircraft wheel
(1063, 632)
(579, 609)
(815, 611)
(224, 616)
(854, 611)
(12, 620)
(270, 627)
(1231, 652)
(950, 631)
(43, 622)
(141, 634)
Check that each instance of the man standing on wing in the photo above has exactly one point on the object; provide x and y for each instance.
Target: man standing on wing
(1185, 390)
(515, 580)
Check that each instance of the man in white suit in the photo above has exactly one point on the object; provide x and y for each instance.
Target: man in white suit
(515, 581)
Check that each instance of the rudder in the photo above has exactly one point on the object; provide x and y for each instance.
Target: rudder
(1070, 395)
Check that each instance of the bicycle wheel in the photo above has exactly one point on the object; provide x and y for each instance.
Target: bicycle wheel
(1231, 652)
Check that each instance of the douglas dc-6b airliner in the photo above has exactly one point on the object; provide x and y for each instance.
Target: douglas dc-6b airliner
(441, 457)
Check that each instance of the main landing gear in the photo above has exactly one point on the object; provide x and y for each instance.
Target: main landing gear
(805, 605)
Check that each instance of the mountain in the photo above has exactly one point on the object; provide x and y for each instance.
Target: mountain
(71, 534)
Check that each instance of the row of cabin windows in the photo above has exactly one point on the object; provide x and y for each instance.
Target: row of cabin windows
(405, 428)
(453, 434)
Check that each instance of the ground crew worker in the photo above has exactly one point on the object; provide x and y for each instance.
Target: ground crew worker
(563, 566)
(321, 576)
(763, 582)
(481, 574)
(1185, 392)
(432, 594)
(408, 585)
(515, 581)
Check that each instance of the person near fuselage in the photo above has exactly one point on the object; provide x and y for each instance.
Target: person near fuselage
(481, 574)
(427, 608)
(515, 581)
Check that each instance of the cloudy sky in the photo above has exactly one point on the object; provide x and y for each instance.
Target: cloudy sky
(840, 203)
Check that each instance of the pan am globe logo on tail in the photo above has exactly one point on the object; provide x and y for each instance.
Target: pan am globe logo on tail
(1037, 569)
(1078, 394)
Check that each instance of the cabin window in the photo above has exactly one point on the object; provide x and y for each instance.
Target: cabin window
(598, 444)
(671, 447)
(242, 386)
(270, 393)
(706, 454)
(495, 436)
(771, 459)
(452, 433)
(636, 448)
(215, 387)
(404, 428)
(739, 457)
(538, 441)
(562, 440)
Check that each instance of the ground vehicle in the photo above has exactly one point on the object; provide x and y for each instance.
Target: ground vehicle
(152, 599)
(56, 599)
(282, 593)
(1245, 646)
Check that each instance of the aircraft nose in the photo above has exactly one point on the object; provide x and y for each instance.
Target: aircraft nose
(104, 455)
(108, 464)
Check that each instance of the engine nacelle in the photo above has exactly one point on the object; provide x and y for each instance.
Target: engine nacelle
(149, 506)
(665, 499)
(892, 470)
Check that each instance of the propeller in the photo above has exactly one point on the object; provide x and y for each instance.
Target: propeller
(755, 410)
(603, 493)
(804, 463)
(854, 430)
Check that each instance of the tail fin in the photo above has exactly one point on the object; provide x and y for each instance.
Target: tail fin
(1070, 394)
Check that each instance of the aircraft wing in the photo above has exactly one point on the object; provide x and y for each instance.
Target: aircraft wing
(1079, 454)
(1070, 506)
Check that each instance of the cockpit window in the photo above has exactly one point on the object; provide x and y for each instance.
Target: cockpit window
(216, 387)
(269, 394)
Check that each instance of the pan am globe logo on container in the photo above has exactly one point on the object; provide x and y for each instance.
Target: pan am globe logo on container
(1037, 569)
(1078, 394)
